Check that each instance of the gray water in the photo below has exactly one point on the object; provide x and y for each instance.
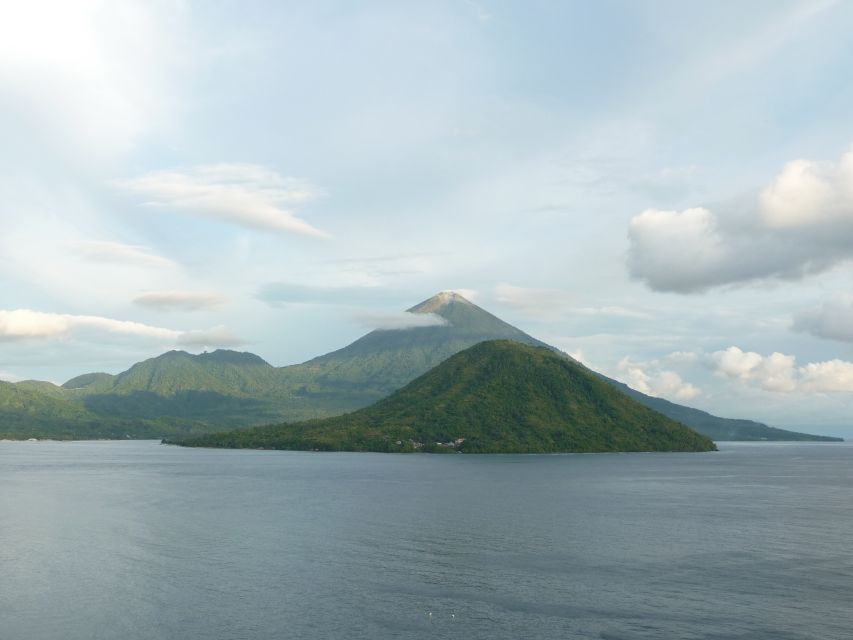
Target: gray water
(140, 540)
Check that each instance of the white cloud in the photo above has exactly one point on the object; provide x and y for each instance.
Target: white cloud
(800, 224)
(179, 300)
(671, 248)
(681, 357)
(773, 373)
(25, 324)
(832, 375)
(5, 376)
(802, 194)
(779, 372)
(399, 320)
(649, 378)
(118, 253)
(244, 194)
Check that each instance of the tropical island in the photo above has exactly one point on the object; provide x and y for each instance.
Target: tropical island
(495, 397)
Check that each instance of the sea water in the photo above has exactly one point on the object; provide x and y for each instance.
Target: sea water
(137, 540)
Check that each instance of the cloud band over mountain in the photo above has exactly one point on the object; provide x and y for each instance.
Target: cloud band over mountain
(25, 324)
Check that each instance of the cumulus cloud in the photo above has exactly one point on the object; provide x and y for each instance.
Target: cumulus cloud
(649, 378)
(775, 372)
(800, 224)
(808, 193)
(832, 320)
(25, 324)
(118, 253)
(179, 300)
(243, 194)
(400, 320)
(779, 372)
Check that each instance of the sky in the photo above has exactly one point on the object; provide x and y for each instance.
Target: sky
(662, 189)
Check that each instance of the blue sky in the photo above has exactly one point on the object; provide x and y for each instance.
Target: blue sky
(663, 189)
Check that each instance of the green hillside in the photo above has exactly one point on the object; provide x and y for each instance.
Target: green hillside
(495, 397)
(29, 410)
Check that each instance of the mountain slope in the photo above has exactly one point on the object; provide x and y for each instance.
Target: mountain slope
(717, 428)
(386, 359)
(494, 397)
(29, 410)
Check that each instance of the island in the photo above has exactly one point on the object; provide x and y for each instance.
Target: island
(498, 396)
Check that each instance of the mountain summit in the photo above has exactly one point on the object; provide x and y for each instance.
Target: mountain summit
(464, 315)
(439, 301)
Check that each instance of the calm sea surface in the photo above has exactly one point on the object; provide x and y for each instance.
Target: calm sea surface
(140, 540)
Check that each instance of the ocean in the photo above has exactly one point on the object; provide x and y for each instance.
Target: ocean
(138, 540)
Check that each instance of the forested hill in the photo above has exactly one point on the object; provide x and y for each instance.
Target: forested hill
(494, 397)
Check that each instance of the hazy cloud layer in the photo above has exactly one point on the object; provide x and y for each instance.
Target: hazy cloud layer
(248, 195)
(551, 302)
(534, 301)
(179, 300)
(20, 324)
(800, 224)
(281, 293)
(25, 324)
(399, 320)
(779, 372)
(832, 320)
(215, 337)
(118, 253)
